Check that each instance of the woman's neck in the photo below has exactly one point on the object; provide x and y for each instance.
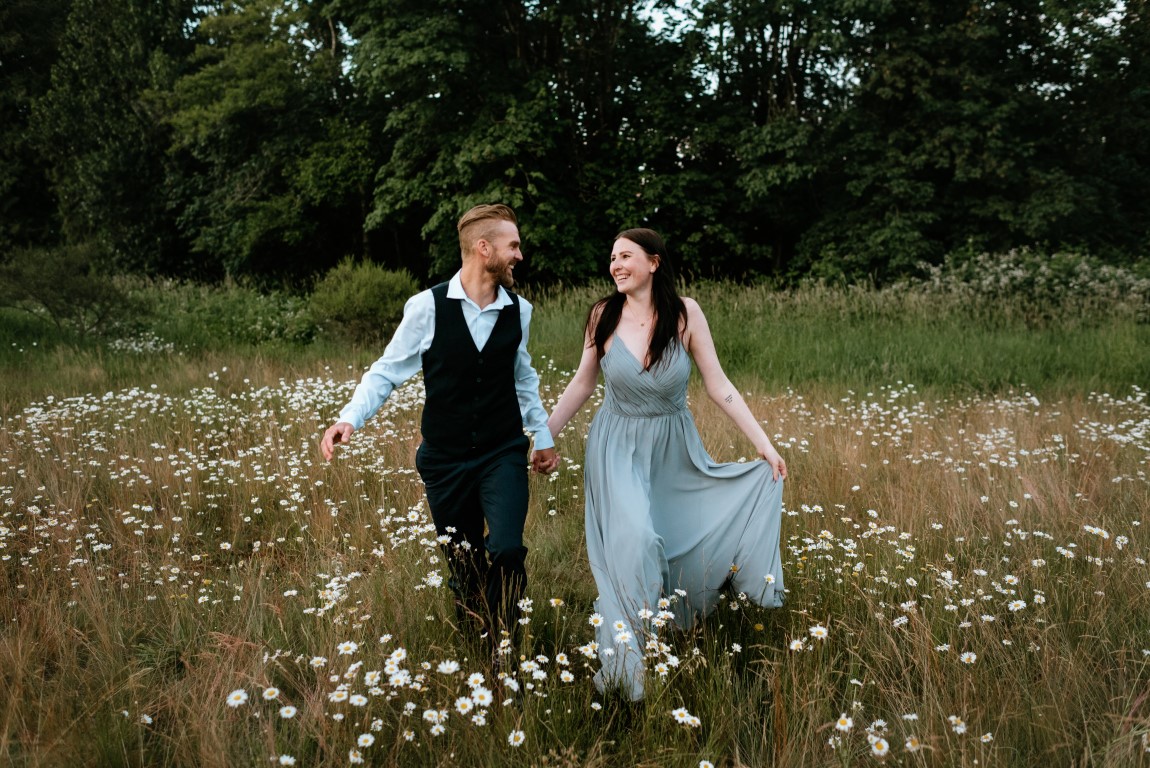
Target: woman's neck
(640, 303)
(639, 312)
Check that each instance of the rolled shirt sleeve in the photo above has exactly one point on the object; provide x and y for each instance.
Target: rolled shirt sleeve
(402, 359)
(527, 387)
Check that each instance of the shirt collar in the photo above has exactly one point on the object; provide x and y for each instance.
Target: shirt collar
(455, 291)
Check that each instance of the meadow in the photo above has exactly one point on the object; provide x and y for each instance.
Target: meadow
(188, 583)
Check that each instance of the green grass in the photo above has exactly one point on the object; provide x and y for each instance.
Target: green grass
(134, 489)
(854, 340)
(772, 340)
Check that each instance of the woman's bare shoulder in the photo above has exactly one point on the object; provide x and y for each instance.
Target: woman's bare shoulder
(693, 308)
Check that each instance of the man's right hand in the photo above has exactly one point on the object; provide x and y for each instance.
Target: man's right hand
(340, 432)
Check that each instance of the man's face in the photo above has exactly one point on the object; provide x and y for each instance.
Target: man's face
(503, 253)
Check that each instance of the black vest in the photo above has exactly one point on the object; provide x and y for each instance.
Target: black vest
(471, 401)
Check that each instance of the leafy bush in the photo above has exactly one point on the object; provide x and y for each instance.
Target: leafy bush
(361, 302)
(198, 316)
(1038, 289)
(64, 286)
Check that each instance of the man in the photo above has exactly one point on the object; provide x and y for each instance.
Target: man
(469, 335)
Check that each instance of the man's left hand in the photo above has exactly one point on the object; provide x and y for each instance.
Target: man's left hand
(545, 461)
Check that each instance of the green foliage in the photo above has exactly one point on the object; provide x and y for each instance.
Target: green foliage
(29, 40)
(191, 316)
(1037, 289)
(565, 113)
(957, 124)
(361, 302)
(845, 141)
(102, 147)
(64, 286)
(921, 164)
(847, 337)
(762, 104)
(274, 169)
(1109, 149)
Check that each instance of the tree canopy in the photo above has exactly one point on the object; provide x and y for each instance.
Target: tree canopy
(845, 139)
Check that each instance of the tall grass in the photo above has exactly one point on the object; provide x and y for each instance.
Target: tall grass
(853, 338)
(169, 536)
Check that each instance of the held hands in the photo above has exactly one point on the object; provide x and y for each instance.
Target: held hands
(545, 461)
(772, 457)
(340, 432)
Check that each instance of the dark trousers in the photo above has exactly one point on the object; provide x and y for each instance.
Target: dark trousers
(487, 573)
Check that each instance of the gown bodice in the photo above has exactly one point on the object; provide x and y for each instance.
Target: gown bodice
(636, 393)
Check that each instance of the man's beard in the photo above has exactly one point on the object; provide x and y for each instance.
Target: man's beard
(502, 275)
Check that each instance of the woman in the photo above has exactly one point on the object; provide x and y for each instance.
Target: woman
(667, 527)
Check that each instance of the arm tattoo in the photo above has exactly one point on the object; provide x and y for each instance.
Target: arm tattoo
(729, 399)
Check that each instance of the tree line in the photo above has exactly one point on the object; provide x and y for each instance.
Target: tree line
(841, 139)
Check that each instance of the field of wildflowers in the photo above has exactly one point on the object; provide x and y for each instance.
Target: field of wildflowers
(188, 583)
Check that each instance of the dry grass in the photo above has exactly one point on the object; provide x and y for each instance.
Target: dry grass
(169, 536)
(163, 547)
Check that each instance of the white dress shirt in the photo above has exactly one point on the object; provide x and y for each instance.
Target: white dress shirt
(403, 358)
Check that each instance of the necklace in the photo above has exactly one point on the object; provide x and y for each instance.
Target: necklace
(642, 323)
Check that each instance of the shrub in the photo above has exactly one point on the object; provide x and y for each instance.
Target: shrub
(361, 302)
(198, 316)
(64, 286)
(1038, 289)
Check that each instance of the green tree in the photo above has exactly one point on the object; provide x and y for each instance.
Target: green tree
(1106, 132)
(850, 138)
(767, 85)
(66, 287)
(275, 165)
(950, 138)
(29, 41)
(105, 150)
(535, 104)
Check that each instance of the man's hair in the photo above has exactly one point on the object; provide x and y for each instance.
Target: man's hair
(478, 224)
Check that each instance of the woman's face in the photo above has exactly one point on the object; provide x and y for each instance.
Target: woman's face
(632, 268)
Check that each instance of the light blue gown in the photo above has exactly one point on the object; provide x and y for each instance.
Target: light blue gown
(665, 520)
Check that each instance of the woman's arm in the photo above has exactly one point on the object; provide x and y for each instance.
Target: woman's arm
(720, 389)
(580, 387)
